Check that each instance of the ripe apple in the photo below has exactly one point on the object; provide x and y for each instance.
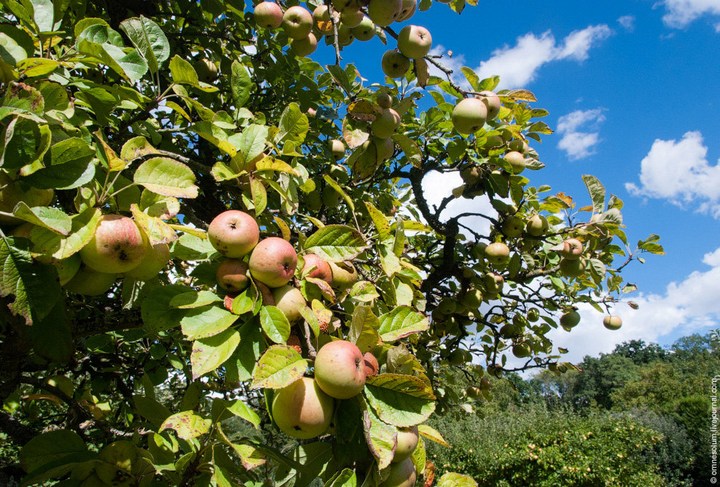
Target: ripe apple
(13, 192)
(408, 10)
(206, 70)
(317, 267)
(352, 17)
(117, 246)
(268, 15)
(572, 248)
(231, 275)
(384, 99)
(537, 225)
(401, 474)
(612, 322)
(155, 260)
(290, 301)
(337, 148)
(302, 410)
(570, 319)
(414, 41)
(233, 233)
(394, 64)
(516, 160)
(513, 226)
(372, 367)
(304, 46)
(384, 12)
(344, 274)
(492, 102)
(297, 22)
(407, 441)
(469, 115)
(273, 262)
(340, 369)
(89, 282)
(498, 253)
(385, 123)
(365, 30)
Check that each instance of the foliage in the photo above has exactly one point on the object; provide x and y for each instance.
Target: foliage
(170, 113)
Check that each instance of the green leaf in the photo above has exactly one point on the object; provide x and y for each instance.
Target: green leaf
(452, 479)
(209, 353)
(401, 322)
(381, 438)
(182, 72)
(155, 309)
(364, 292)
(339, 190)
(259, 195)
(294, 125)
(83, 230)
(250, 144)
(26, 142)
(50, 447)
(240, 367)
(187, 425)
(53, 219)
(336, 243)
(597, 192)
(363, 328)
(136, 147)
(379, 220)
(34, 286)
(242, 410)
(427, 431)
(15, 45)
(167, 177)
(44, 15)
(149, 39)
(194, 299)
(24, 97)
(205, 322)
(279, 367)
(51, 337)
(275, 324)
(72, 166)
(410, 148)
(400, 400)
(346, 478)
(472, 78)
(241, 84)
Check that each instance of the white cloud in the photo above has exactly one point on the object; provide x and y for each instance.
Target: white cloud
(680, 13)
(679, 171)
(518, 65)
(686, 307)
(578, 130)
(627, 22)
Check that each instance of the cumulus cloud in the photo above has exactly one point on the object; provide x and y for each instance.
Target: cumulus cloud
(518, 65)
(627, 22)
(685, 307)
(680, 13)
(579, 132)
(680, 172)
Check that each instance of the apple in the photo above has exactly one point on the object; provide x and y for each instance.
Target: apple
(265, 294)
(459, 357)
(473, 392)
(117, 246)
(340, 369)
(384, 99)
(339, 173)
(518, 145)
(344, 274)
(231, 275)
(302, 410)
(572, 267)
(521, 350)
(372, 367)
(446, 306)
(384, 12)
(394, 64)
(268, 15)
(290, 301)
(469, 115)
(377, 150)
(297, 22)
(612, 322)
(498, 253)
(570, 319)
(572, 248)
(471, 175)
(304, 46)
(493, 283)
(513, 226)
(273, 262)
(414, 41)
(401, 474)
(206, 70)
(155, 260)
(407, 441)
(345, 35)
(352, 17)
(337, 148)
(13, 192)
(317, 267)
(472, 299)
(67, 268)
(313, 201)
(492, 102)
(533, 315)
(89, 282)
(342, 5)
(385, 123)
(408, 10)
(322, 19)
(365, 30)
(516, 160)
(233, 233)
(537, 225)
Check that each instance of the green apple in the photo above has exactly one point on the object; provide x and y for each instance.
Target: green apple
(340, 369)
(401, 474)
(117, 246)
(569, 319)
(384, 12)
(304, 46)
(537, 225)
(408, 10)
(67, 268)
(612, 322)
(492, 102)
(572, 267)
(302, 410)
(394, 64)
(273, 262)
(407, 441)
(337, 148)
(516, 161)
(414, 41)
(322, 19)
(521, 350)
(513, 226)
(89, 282)
(206, 70)
(385, 123)
(233, 233)
(352, 17)
(297, 22)
(365, 31)
(384, 99)
(344, 274)
(290, 301)
(268, 15)
(469, 115)
(155, 260)
(497, 253)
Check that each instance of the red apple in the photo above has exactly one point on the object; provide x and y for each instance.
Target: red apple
(372, 367)
(231, 275)
(117, 246)
(302, 410)
(340, 369)
(233, 233)
(572, 248)
(273, 262)
(317, 267)
(268, 15)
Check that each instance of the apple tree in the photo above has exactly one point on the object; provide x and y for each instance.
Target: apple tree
(220, 265)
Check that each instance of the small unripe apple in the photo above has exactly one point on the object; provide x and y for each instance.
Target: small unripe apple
(290, 301)
(345, 35)
(117, 246)
(612, 322)
(401, 474)
(407, 441)
(384, 99)
(273, 262)
(492, 102)
(297, 22)
(340, 369)
(537, 225)
(155, 260)
(497, 252)
(231, 275)
(516, 160)
(414, 41)
(384, 12)
(385, 123)
(344, 274)
(394, 64)
(572, 248)
(570, 319)
(469, 115)
(337, 148)
(304, 46)
(268, 15)
(302, 410)
(317, 267)
(352, 17)
(372, 367)
(533, 315)
(365, 30)
(233, 233)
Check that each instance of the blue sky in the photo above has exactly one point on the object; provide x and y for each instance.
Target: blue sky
(633, 90)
